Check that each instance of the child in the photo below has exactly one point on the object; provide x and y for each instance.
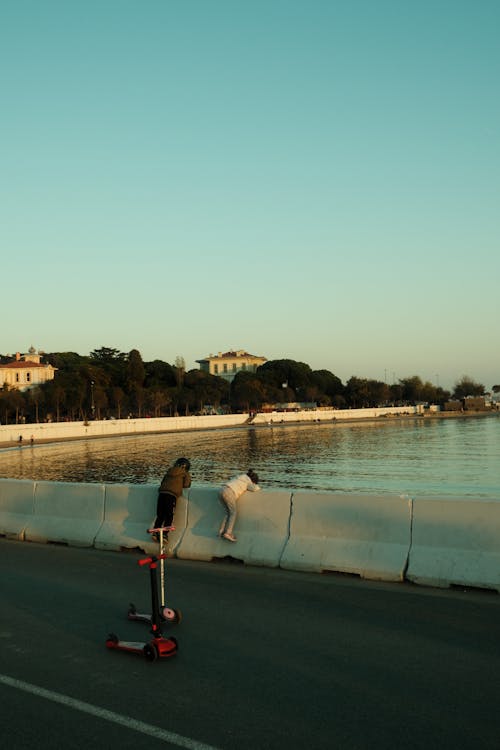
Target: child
(172, 484)
(229, 495)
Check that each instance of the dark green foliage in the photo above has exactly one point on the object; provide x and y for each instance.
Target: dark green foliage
(112, 384)
(467, 387)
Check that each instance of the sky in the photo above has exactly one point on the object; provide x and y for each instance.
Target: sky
(316, 180)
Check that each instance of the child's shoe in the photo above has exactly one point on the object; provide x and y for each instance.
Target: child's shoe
(229, 537)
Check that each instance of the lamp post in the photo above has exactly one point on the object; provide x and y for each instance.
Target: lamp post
(92, 405)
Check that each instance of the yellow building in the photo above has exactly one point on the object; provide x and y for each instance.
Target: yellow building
(26, 371)
(228, 364)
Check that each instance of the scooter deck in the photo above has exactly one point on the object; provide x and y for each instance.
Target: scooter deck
(161, 528)
(166, 614)
(158, 648)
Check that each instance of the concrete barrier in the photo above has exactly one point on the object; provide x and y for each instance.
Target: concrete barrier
(67, 513)
(455, 541)
(431, 541)
(364, 534)
(129, 510)
(16, 506)
(261, 527)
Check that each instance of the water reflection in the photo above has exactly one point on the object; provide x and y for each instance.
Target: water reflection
(456, 457)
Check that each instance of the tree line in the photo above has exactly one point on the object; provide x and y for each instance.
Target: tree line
(112, 384)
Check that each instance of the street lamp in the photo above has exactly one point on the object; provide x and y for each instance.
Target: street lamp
(92, 405)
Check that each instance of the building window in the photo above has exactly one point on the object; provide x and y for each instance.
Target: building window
(28, 377)
(243, 365)
(234, 366)
(17, 377)
(216, 369)
(225, 366)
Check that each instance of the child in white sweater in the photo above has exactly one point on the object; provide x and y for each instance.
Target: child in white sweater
(229, 495)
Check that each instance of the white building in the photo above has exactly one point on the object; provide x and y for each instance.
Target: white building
(228, 364)
(26, 371)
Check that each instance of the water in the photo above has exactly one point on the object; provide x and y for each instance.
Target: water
(421, 457)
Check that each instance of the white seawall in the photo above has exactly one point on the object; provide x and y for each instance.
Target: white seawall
(10, 433)
(429, 541)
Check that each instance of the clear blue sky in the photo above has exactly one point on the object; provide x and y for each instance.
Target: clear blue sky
(316, 180)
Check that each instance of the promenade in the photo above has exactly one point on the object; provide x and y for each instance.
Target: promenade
(267, 658)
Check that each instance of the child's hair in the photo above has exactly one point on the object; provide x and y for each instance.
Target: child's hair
(253, 476)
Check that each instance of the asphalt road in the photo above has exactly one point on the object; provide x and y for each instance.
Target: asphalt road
(267, 658)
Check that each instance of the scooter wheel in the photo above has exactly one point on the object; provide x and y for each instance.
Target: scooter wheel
(171, 615)
(112, 640)
(150, 652)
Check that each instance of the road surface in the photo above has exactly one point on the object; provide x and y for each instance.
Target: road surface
(267, 658)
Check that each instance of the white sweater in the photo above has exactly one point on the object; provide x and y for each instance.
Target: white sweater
(241, 484)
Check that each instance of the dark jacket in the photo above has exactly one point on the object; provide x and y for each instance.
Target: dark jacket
(175, 480)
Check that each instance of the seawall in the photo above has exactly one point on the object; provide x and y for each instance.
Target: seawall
(434, 542)
(53, 431)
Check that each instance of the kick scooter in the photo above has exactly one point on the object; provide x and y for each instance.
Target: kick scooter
(158, 647)
(166, 614)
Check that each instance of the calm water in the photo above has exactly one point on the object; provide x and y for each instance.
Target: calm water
(453, 457)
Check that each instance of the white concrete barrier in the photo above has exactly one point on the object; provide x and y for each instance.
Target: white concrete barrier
(129, 511)
(455, 541)
(431, 541)
(364, 534)
(16, 506)
(66, 512)
(261, 527)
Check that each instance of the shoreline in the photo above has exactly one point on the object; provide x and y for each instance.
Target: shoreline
(5, 445)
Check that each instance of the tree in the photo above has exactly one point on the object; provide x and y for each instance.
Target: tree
(136, 374)
(205, 389)
(159, 374)
(11, 401)
(55, 396)
(412, 389)
(247, 392)
(36, 398)
(285, 373)
(467, 387)
(357, 392)
(118, 397)
(157, 399)
(100, 400)
(112, 362)
(378, 393)
(107, 355)
(180, 370)
(328, 384)
(136, 371)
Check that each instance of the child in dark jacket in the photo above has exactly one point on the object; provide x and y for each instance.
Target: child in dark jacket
(175, 480)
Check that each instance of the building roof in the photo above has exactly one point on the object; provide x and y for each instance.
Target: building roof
(21, 365)
(230, 355)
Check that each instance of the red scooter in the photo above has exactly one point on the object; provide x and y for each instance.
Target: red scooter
(166, 614)
(158, 647)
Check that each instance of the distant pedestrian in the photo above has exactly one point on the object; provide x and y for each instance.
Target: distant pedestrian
(229, 496)
(175, 480)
